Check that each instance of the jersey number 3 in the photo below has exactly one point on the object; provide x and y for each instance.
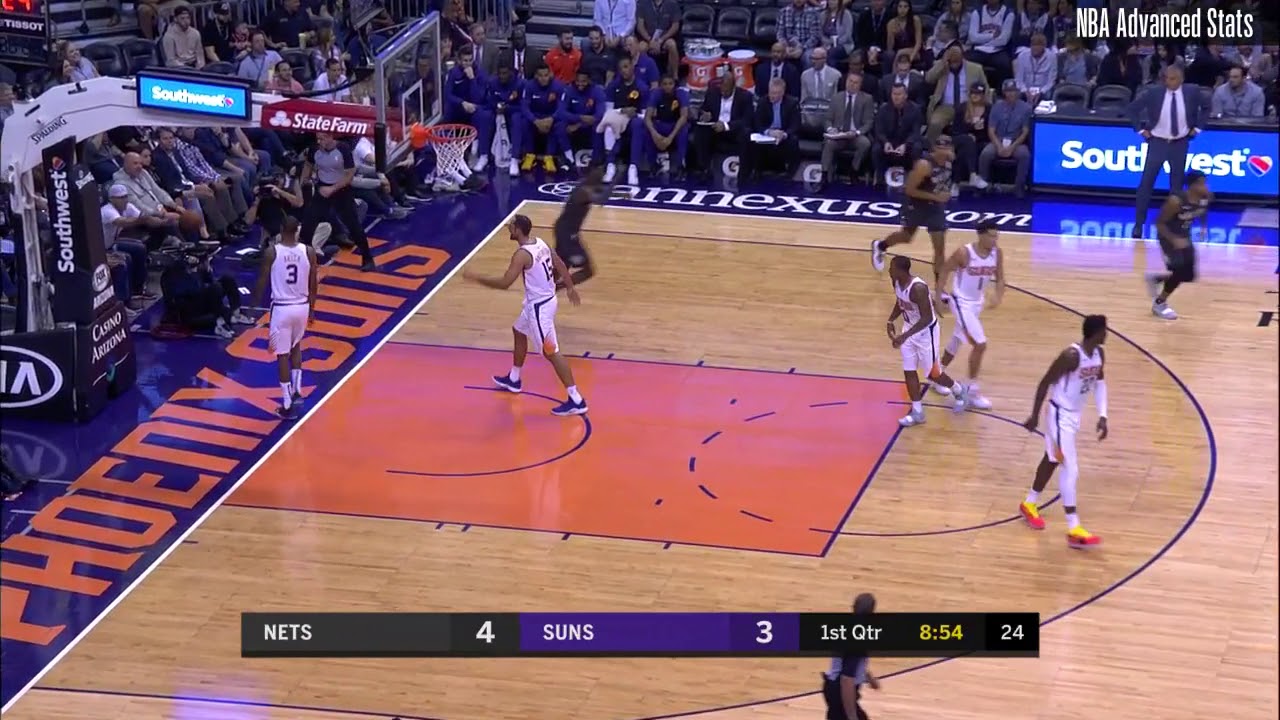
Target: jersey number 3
(291, 274)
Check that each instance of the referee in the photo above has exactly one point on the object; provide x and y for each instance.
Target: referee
(840, 684)
(331, 167)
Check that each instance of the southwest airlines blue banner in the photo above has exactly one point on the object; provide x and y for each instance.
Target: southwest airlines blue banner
(193, 97)
(1087, 156)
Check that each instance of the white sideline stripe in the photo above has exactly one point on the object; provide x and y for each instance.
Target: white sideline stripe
(218, 502)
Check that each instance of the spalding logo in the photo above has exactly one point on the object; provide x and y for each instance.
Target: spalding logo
(101, 278)
(27, 377)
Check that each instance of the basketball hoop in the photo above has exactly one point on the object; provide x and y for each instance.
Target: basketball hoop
(451, 141)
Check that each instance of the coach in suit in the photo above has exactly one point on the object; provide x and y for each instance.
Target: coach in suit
(850, 121)
(776, 115)
(727, 108)
(1167, 118)
(777, 66)
(486, 50)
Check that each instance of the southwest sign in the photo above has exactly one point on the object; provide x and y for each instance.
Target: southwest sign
(229, 99)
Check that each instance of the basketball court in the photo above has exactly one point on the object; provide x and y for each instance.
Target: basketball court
(742, 453)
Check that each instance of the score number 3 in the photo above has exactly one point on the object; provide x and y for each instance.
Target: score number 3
(764, 632)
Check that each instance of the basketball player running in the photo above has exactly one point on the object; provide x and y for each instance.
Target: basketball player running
(1074, 374)
(928, 189)
(292, 270)
(919, 339)
(1173, 227)
(841, 685)
(974, 267)
(540, 267)
(568, 227)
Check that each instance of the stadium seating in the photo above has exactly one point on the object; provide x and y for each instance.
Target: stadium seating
(105, 57)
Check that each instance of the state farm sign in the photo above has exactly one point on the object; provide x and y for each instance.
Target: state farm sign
(302, 115)
(283, 120)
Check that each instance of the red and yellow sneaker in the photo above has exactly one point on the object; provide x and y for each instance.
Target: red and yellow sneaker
(1078, 537)
(1031, 514)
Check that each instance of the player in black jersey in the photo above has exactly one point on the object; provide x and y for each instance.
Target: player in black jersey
(928, 189)
(568, 227)
(1180, 210)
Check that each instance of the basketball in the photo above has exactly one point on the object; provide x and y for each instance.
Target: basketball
(189, 221)
(418, 135)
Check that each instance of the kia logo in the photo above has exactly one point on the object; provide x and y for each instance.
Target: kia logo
(27, 378)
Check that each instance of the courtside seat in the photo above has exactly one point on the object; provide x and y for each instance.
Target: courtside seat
(220, 68)
(764, 27)
(300, 62)
(734, 24)
(699, 20)
(106, 58)
(138, 54)
(1111, 100)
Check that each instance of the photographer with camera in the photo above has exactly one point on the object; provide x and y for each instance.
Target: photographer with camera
(273, 201)
(197, 300)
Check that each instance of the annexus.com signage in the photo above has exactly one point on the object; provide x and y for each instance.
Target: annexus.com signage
(194, 97)
(1090, 156)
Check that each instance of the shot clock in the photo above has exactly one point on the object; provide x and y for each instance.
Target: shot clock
(933, 635)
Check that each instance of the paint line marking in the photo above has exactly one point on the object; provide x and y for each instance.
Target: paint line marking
(750, 514)
(829, 404)
(707, 492)
(693, 460)
(711, 437)
(760, 416)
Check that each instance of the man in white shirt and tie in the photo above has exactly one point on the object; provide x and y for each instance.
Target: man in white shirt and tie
(1167, 118)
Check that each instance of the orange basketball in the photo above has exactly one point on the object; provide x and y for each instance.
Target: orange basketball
(189, 221)
(418, 135)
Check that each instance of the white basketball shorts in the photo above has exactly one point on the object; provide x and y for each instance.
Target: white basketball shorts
(968, 321)
(537, 322)
(921, 352)
(288, 325)
(1061, 427)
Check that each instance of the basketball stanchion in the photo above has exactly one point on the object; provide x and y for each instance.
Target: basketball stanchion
(451, 142)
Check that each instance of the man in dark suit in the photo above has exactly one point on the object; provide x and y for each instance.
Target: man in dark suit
(903, 75)
(724, 124)
(778, 116)
(778, 66)
(525, 60)
(850, 120)
(1167, 118)
(486, 50)
(897, 133)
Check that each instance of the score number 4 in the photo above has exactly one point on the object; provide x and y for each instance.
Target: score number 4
(25, 6)
(486, 632)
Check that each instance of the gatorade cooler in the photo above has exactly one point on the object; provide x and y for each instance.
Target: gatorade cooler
(740, 61)
(703, 56)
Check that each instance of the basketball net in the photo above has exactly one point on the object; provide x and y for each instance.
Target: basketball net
(451, 142)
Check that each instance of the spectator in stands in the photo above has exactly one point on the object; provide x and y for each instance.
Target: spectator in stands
(540, 103)
(724, 123)
(943, 37)
(969, 134)
(1035, 70)
(836, 26)
(1030, 19)
(667, 124)
(777, 116)
(958, 15)
(1238, 97)
(423, 71)
(851, 118)
(626, 97)
(282, 80)
(646, 68)
(81, 68)
(580, 114)
(178, 164)
(523, 60)
(617, 20)
(118, 215)
(505, 100)
(902, 74)
(777, 67)
(181, 42)
(325, 48)
(466, 90)
(217, 36)
(564, 58)
(214, 151)
(949, 77)
(1008, 130)
(365, 155)
(1063, 20)
(858, 64)
(149, 13)
(1209, 66)
(819, 83)
(1121, 66)
(799, 31)
(240, 147)
(597, 59)
(289, 25)
(66, 72)
(332, 77)
(990, 30)
(181, 196)
(160, 212)
(658, 25)
(197, 300)
(486, 50)
(868, 34)
(1255, 62)
(897, 133)
(456, 23)
(257, 65)
(1077, 65)
(6, 103)
(903, 33)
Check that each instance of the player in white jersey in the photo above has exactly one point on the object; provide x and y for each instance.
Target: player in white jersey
(541, 267)
(973, 268)
(1075, 374)
(919, 339)
(292, 270)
